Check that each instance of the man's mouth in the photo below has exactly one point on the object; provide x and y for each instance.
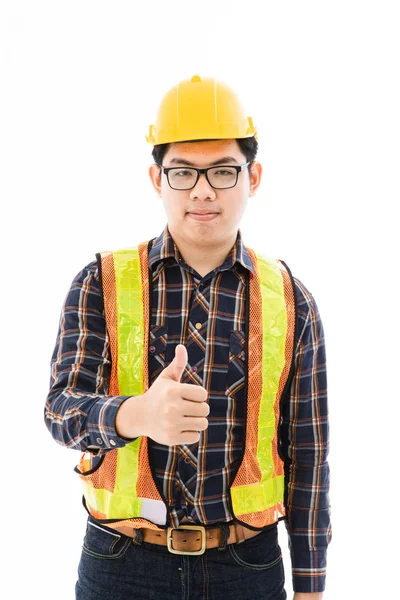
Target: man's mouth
(202, 216)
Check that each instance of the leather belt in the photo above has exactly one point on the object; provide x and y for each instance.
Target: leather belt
(190, 539)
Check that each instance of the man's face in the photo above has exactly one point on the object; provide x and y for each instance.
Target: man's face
(225, 207)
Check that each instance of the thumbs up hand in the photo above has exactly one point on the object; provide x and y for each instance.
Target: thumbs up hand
(175, 369)
(173, 412)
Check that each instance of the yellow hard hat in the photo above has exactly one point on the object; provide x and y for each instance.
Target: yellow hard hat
(200, 109)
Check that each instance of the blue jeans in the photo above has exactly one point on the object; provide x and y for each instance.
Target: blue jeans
(117, 567)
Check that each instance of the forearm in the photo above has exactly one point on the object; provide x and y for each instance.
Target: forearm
(309, 533)
(85, 421)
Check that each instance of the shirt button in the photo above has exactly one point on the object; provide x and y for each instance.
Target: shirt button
(112, 442)
(187, 459)
(99, 440)
(152, 349)
(193, 369)
(198, 325)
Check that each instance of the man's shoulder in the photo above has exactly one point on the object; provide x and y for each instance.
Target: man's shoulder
(89, 273)
(304, 297)
(307, 309)
(92, 267)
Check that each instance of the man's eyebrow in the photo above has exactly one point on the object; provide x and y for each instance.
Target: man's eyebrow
(221, 161)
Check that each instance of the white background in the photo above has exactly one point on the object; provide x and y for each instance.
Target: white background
(80, 83)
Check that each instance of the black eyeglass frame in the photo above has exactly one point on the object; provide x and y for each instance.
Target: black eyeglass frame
(237, 168)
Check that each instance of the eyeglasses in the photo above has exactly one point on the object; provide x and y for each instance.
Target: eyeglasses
(220, 178)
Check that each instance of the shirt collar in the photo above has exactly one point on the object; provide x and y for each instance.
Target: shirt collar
(164, 247)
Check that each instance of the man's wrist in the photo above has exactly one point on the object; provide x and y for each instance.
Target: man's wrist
(129, 420)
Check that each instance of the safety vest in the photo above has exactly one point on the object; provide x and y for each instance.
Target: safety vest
(120, 486)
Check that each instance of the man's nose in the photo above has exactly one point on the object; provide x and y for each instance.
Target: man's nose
(202, 189)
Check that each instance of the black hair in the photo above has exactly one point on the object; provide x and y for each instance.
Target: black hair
(248, 146)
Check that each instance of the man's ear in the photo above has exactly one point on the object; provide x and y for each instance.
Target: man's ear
(155, 177)
(255, 177)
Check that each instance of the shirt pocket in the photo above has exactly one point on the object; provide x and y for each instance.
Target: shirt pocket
(157, 351)
(236, 362)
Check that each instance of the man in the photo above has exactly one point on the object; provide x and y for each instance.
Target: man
(190, 371)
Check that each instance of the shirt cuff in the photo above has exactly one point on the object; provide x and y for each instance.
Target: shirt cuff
(101, 425)
(309, 570)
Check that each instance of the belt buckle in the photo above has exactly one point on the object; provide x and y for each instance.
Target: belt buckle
(203, 539)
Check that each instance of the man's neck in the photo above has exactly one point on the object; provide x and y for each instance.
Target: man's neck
(204, 258)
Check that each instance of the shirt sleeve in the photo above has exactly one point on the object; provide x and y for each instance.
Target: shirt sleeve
(305, 443)
(78, 412)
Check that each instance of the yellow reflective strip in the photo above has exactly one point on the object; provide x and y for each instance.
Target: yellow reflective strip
(130, 326)
(257, 497)
(126, 501)
(130, 339)
(99, 499)
(111, 505)
(274, 324)
(269, 490)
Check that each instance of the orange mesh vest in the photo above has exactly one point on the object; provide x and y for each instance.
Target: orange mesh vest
(120, 488)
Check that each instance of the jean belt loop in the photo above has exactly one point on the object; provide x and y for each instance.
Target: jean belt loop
(138, 539)
(225, 535)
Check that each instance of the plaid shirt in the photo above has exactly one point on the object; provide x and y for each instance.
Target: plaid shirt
(208, 315)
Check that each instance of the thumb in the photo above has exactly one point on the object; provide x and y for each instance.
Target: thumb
(176, 368)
